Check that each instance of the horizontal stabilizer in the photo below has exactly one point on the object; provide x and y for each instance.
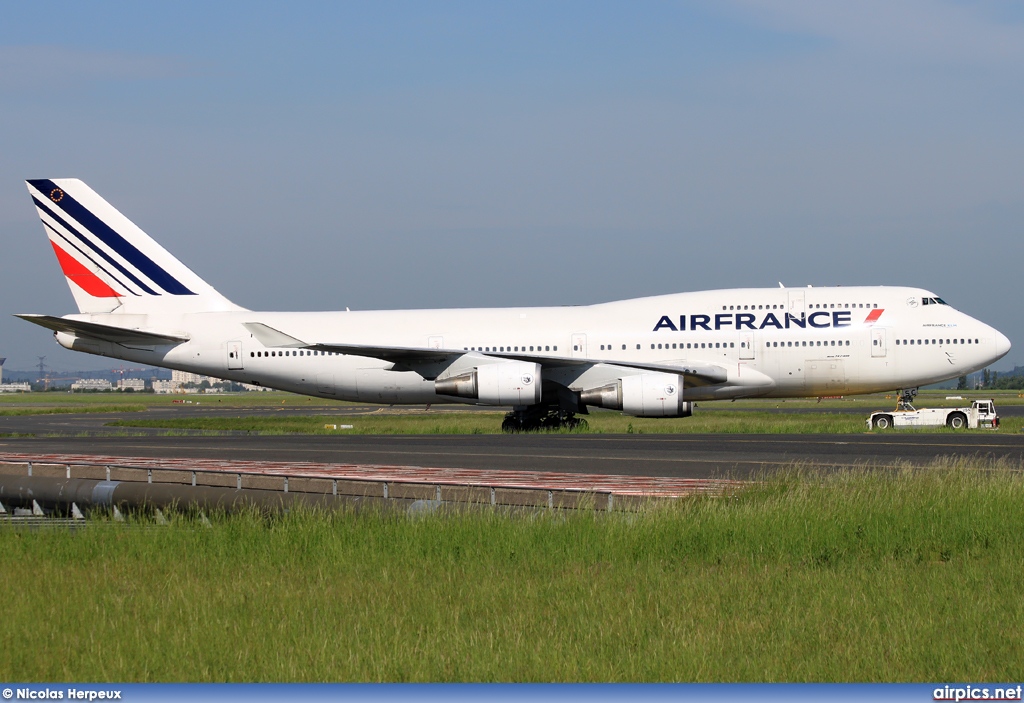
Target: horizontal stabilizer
(106, 333)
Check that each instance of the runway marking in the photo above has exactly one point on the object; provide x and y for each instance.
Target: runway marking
(654, 486)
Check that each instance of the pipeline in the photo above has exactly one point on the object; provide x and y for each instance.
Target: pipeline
(87, 494)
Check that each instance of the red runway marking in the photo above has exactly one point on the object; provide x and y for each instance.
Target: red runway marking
(654, 486)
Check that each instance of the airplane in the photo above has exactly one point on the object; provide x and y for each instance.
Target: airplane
(646, 357)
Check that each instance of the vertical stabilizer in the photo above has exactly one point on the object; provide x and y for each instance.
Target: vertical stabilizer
(111, 265)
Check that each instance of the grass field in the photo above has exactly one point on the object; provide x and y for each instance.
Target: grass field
(598, 422)
(744, 416)
(71, 409)
(875, 401)
(864, 576)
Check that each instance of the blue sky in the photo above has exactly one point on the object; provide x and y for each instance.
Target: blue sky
(381, 155)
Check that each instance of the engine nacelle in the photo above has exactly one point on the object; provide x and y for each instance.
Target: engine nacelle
(504, 383)
(642, 395)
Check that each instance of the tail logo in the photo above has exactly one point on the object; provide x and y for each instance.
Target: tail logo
(97, 248)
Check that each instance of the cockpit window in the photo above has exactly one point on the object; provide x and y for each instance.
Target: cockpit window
(933, 301)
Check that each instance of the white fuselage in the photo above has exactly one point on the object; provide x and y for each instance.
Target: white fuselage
(771, 342)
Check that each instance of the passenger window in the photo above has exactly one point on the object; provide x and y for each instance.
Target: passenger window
(623, 347)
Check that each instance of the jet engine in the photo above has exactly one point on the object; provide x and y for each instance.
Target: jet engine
(504, 383)
(642, 395)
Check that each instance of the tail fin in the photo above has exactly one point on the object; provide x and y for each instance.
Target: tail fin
(112, 265)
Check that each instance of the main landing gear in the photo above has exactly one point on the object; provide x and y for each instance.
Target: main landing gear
(541, 417)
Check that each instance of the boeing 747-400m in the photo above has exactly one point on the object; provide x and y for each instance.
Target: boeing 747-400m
(648, 357)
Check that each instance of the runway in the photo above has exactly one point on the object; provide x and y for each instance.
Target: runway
(677, 456)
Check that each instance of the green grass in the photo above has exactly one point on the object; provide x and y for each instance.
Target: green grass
(239, 400)
(857, 575)
(599, 422)
(876, 401)
(71, 409)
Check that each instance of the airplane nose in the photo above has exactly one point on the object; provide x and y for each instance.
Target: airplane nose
(1002, 345)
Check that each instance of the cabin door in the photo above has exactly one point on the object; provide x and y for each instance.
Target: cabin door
(877, 341)
(234, 355)
(746, 345)
(579, 346)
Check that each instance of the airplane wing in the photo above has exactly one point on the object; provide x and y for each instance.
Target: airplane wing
(105, 333)
(694, 375)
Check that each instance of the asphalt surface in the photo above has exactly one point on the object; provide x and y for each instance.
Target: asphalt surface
(681, 456)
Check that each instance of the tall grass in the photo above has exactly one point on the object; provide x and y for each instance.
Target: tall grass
(859, 575)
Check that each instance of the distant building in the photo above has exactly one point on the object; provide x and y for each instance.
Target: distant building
(2, 360)
(91, 384)
(183, 377)
(135, 384)
(15, 387)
